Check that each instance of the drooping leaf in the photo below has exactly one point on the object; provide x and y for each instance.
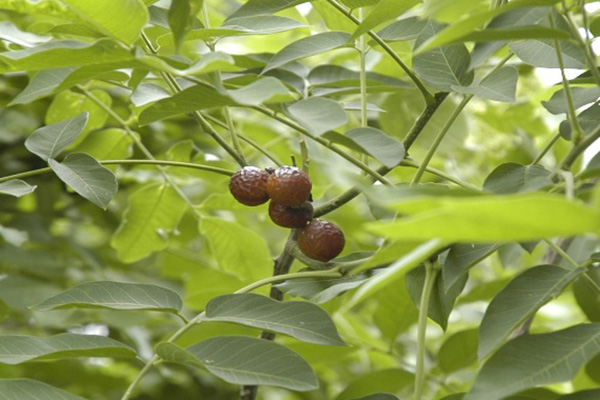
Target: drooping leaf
(579, 95)
(16, 187)
(20, 389)
(523, 296)
(115, 296)
(245, 360)
(49, 141)
(442, 67)
(519, 217)
(318, 114)
(542, 359)
(501, 85)
(300, 319)
(18, 349)
(87, 177)
(458, 351)
(308, 46)
(122, 20)
(516, 178)
(385, 10)
(153, 212)
(238, 250)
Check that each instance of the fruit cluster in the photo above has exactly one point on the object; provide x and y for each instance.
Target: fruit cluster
(289, 188)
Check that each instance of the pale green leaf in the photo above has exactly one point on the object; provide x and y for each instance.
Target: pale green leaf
(352, 4)
(321, 290)
(308, 46)
(21, 389)
(519, 300)
(245, 360)
(116, 296)
(405, 29)
(18, 349)
(238, 249)
(122, 20)
(542, 53)
(68, 104)
(264, 90)
(107, 144)
(42, 84)
(148, 93)
(500, 85)
(516, 178)
(579, 95)
(9, 32)
(49, 141)
(384, 11)
(16, 187)
(261, 24)
(390, 380)
(385, 149)
(318, 114)
(532, 360)
(154, 211)
(264, 7)
(87, 177)
(299, 319)
(519, 217)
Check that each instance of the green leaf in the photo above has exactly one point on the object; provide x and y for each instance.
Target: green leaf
(379, 396)
(63, 53)
(115, 296)
(308, 46)
(264, 90)
(9, 32)
(18, 349)
(122, 20)
(238, 249)
(352, 4)
(198, 97)
(588, 120)
(49, 141)
(321, 290)
(153, 212)
(68, 104)
(580, 96)
(462, 257)
(394, 272)
(16, 187)
(20, 389)
(391, 380)
(244, 360)
(542, 53)
(384, 11)
(318, 114)
(385, 149)
(519, 217)
(264, 7)
(443, 295)
(532, 360)
(405, 29)
(519, 300)
(87, 177)
(261, 24)
(514, 33)
(442, 67)
(299, 319)
(107, 144)
(587, 296)
(517, 178)
(500, 85)
(458, 351)
(42, 84)
(590, 394)
(457, 30)
(181, 16)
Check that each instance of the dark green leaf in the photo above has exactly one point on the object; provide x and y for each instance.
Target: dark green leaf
(500, 85)
(516, 178)
(18, 349)
(321, 290)
(586, 294)
(16, 187)
(462, 257)
(542, 359)
(458, 351)
(244, 360)
(300, 319)
(116, 296)
(21, 389)
(379, 396)
(49, 141)
(318, 114)
(580, 96)
(308, 46)
(181, 16)
(442, 67)
(523, 296)
(590, 394)
(87, 177)
(588, 120)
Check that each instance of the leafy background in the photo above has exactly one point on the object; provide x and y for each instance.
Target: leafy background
(102, 262)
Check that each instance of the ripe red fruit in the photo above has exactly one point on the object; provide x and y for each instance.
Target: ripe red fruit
(321, 240)
(249, 186)
(289, 186)
(290, 217)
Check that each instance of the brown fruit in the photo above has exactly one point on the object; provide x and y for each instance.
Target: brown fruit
(289, 186)
(321, 240)
(290, 217)
(249, 186)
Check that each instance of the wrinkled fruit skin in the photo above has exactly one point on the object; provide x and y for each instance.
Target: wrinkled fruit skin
(321, 240)
(249, 186)
(290, 217)
(289, 186)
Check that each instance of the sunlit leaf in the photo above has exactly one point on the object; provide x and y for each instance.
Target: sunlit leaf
(384, 11)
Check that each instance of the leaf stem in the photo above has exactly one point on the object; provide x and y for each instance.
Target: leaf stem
(363, 76)
(579, 148)
(561, 252)
(431, 272)
(411, 163)
(546, 149)
(429, 98)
